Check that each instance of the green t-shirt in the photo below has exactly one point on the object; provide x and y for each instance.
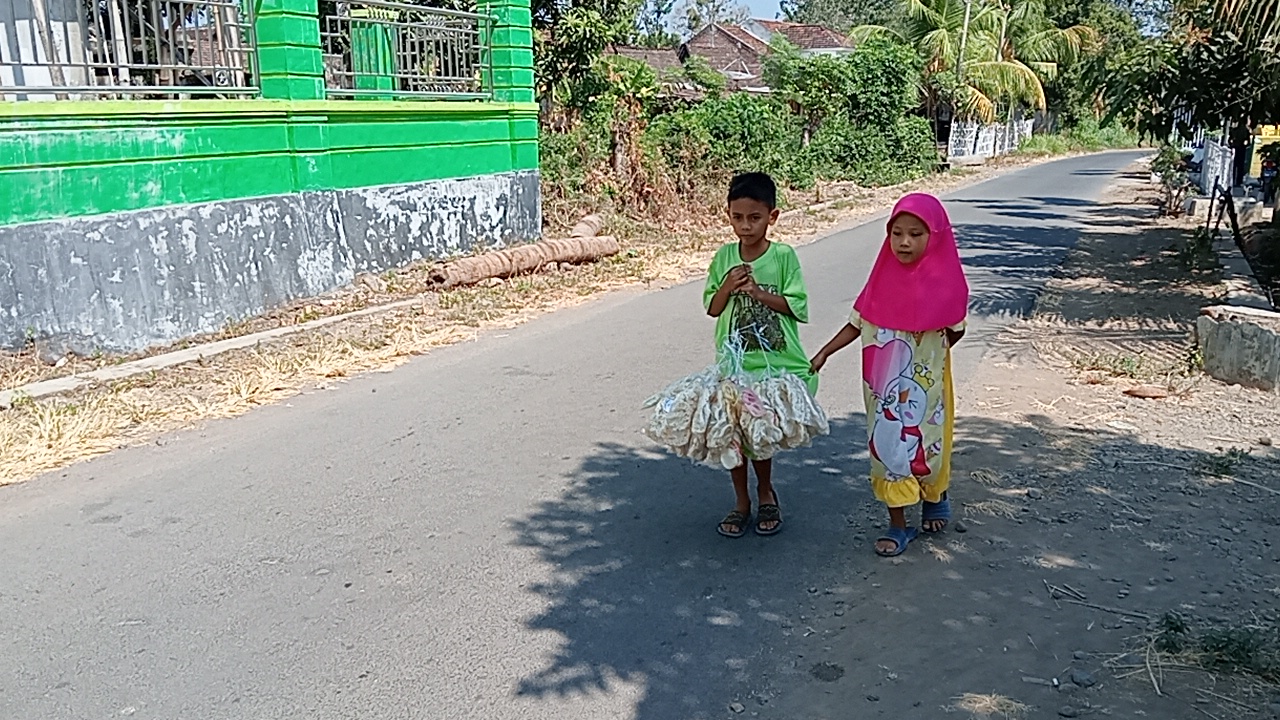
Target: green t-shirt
(771, 339)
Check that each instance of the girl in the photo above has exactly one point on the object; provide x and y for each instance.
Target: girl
(909, 316)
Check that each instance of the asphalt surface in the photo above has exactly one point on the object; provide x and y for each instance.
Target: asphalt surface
(482, 533)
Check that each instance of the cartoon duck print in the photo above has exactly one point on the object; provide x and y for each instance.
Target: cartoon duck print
(899, 387)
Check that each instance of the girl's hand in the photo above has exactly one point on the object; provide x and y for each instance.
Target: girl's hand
(815, 365)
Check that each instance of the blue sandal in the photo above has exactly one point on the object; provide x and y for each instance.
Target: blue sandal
(901, 536)
(934, 512)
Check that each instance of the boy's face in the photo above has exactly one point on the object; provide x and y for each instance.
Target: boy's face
(751, 219)
(908, 238)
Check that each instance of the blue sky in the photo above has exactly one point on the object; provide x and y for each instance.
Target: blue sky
(765, 9)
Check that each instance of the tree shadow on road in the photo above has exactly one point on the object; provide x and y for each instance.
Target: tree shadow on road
(646, 594)
(1007, 266)
(647, 591)
(810, 624)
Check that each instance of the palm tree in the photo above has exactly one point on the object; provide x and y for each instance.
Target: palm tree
(1000, 54)
(1035, 46)
(1255, 19)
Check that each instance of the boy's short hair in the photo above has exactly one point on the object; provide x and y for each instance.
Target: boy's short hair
(756, 186)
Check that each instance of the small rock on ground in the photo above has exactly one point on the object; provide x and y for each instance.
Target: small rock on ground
(1083, 678)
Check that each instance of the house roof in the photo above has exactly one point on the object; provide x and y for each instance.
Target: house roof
(805, 37)
(740, 34)
(664, 62)
(728, 48)
(660, 60)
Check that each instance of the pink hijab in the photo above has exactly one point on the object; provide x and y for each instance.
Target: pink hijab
(929, 294)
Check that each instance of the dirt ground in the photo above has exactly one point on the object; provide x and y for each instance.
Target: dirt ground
(1115, 555)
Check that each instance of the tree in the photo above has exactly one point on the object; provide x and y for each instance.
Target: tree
(698, 14)
(653, 25)
(1256, 20)
(569, 35)
(1029, 39)
(983, 55)
(1076, 95)
(1210, 67)
(873, 86)
(840, 15)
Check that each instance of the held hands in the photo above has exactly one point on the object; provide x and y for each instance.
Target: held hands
(815, 365)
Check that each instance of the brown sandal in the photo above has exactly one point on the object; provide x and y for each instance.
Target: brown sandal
(769, 512)
(735, 518)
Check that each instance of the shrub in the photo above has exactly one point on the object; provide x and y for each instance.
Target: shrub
(830, 118)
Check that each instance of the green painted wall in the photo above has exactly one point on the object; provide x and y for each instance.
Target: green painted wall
(71, 159)
(67, 159)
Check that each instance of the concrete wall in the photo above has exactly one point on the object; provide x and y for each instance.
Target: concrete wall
(126, 225)
(127, 281)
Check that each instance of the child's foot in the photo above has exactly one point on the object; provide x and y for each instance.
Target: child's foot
(894, 542)
(769, 517)
(734, 525)
(934, 517)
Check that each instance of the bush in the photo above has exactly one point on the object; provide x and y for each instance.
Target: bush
(1087, 136)
(830, 118)
(565, 157)
(873, 156)
(1045, 144)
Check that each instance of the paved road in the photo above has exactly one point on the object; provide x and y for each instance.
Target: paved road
(480, 534)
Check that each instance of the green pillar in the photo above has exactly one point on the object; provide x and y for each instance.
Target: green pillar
(289, 62)
(511, 52)
(373, 51)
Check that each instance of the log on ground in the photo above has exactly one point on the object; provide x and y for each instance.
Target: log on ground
(523, 259)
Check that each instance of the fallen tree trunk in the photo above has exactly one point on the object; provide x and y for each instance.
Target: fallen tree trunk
(588, 226)
(523, 259)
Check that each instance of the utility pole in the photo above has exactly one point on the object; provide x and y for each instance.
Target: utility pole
(964, 37)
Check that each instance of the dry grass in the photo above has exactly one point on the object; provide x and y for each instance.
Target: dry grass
(990, 706)
(1227, 670)
(993, 508)
(43, 435)
(987, 477)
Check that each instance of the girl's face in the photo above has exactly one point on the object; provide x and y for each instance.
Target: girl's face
(908, 237)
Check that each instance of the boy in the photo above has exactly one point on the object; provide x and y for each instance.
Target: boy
(756, 293)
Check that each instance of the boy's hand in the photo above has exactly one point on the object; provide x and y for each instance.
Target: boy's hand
(815, 365)
(738, 278)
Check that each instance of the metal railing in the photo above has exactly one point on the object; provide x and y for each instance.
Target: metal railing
(390, 50)
(83, 49)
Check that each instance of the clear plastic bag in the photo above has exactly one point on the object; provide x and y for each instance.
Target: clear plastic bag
(720, 416)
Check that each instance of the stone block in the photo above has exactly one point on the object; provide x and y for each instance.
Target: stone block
(1196, 206)
(1240, 345)
(1248, 211)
